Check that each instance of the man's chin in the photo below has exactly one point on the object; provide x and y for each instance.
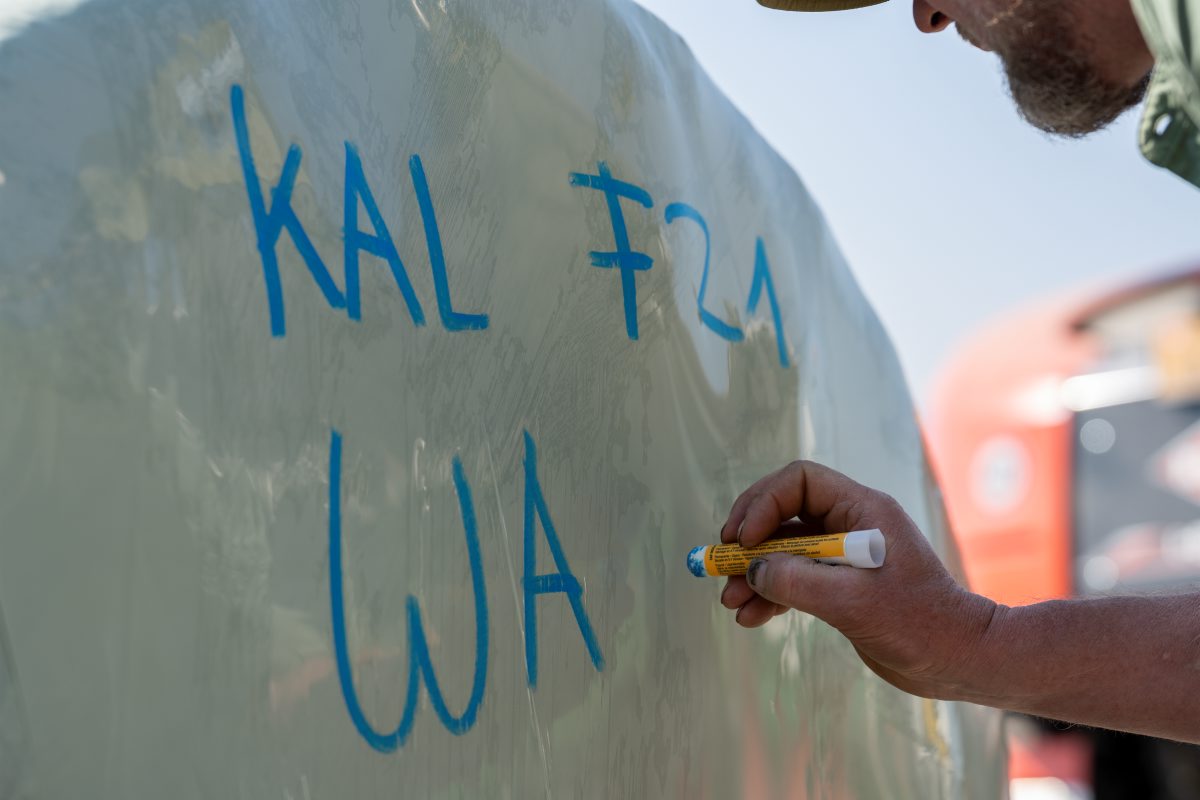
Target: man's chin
(1077, 111)
(1052, 72)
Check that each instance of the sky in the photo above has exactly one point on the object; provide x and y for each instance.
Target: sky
(950, 209)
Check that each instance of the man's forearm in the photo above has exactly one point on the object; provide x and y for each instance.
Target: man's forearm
(1129, 663)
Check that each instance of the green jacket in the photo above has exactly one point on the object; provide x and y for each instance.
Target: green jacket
(1170, 132)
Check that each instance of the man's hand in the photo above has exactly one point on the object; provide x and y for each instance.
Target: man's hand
(909, 620)
(1127, 663)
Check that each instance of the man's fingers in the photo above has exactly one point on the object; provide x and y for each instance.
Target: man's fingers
(793, 527)
(810, 490)
(737, 593)
(797, 527)
(732, 526)
(732, 529)
(800, 583)
(757, 611)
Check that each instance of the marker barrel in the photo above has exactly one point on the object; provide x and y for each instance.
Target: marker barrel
(862, 549)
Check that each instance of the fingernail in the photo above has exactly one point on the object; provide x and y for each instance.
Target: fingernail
(741, 525)
(755, 573)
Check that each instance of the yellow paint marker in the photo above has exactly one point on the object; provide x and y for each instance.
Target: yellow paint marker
(863, 549)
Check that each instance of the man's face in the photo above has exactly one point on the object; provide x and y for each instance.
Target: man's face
(1054, 67)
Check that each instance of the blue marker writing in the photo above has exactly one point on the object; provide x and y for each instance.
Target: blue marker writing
(762, 282)
(563, 581)
(269, 223)
(723, 329)
(624, 258)
(420, 666)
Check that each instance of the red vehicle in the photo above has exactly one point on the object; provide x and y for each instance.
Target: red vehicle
(1067, 440)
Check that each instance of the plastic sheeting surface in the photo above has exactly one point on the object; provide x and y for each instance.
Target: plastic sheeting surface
(367, 371)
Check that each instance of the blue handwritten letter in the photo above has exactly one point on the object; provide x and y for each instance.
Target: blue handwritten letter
(624, 259)
(563, 581)
(269, 223)
(420, 666)
(379, 245)
(451, 319)
(762, 280)
(723, 329)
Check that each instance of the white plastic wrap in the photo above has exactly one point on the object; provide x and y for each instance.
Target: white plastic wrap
(367, 371)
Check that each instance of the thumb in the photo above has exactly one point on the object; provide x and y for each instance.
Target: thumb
(799, 582)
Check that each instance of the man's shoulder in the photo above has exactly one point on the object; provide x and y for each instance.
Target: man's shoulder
(1170, 131)
(1169, 25)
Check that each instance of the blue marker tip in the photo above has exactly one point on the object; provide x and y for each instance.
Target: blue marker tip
(696, 561)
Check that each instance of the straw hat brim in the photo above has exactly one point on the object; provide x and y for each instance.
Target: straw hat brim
(818, 5)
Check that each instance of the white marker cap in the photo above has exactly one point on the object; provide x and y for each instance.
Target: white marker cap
(865, 549)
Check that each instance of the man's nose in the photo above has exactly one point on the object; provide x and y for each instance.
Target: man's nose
(928, 18)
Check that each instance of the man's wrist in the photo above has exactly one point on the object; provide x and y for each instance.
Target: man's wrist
(977, 680)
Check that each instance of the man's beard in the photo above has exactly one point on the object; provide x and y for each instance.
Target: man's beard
(1051, 78)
